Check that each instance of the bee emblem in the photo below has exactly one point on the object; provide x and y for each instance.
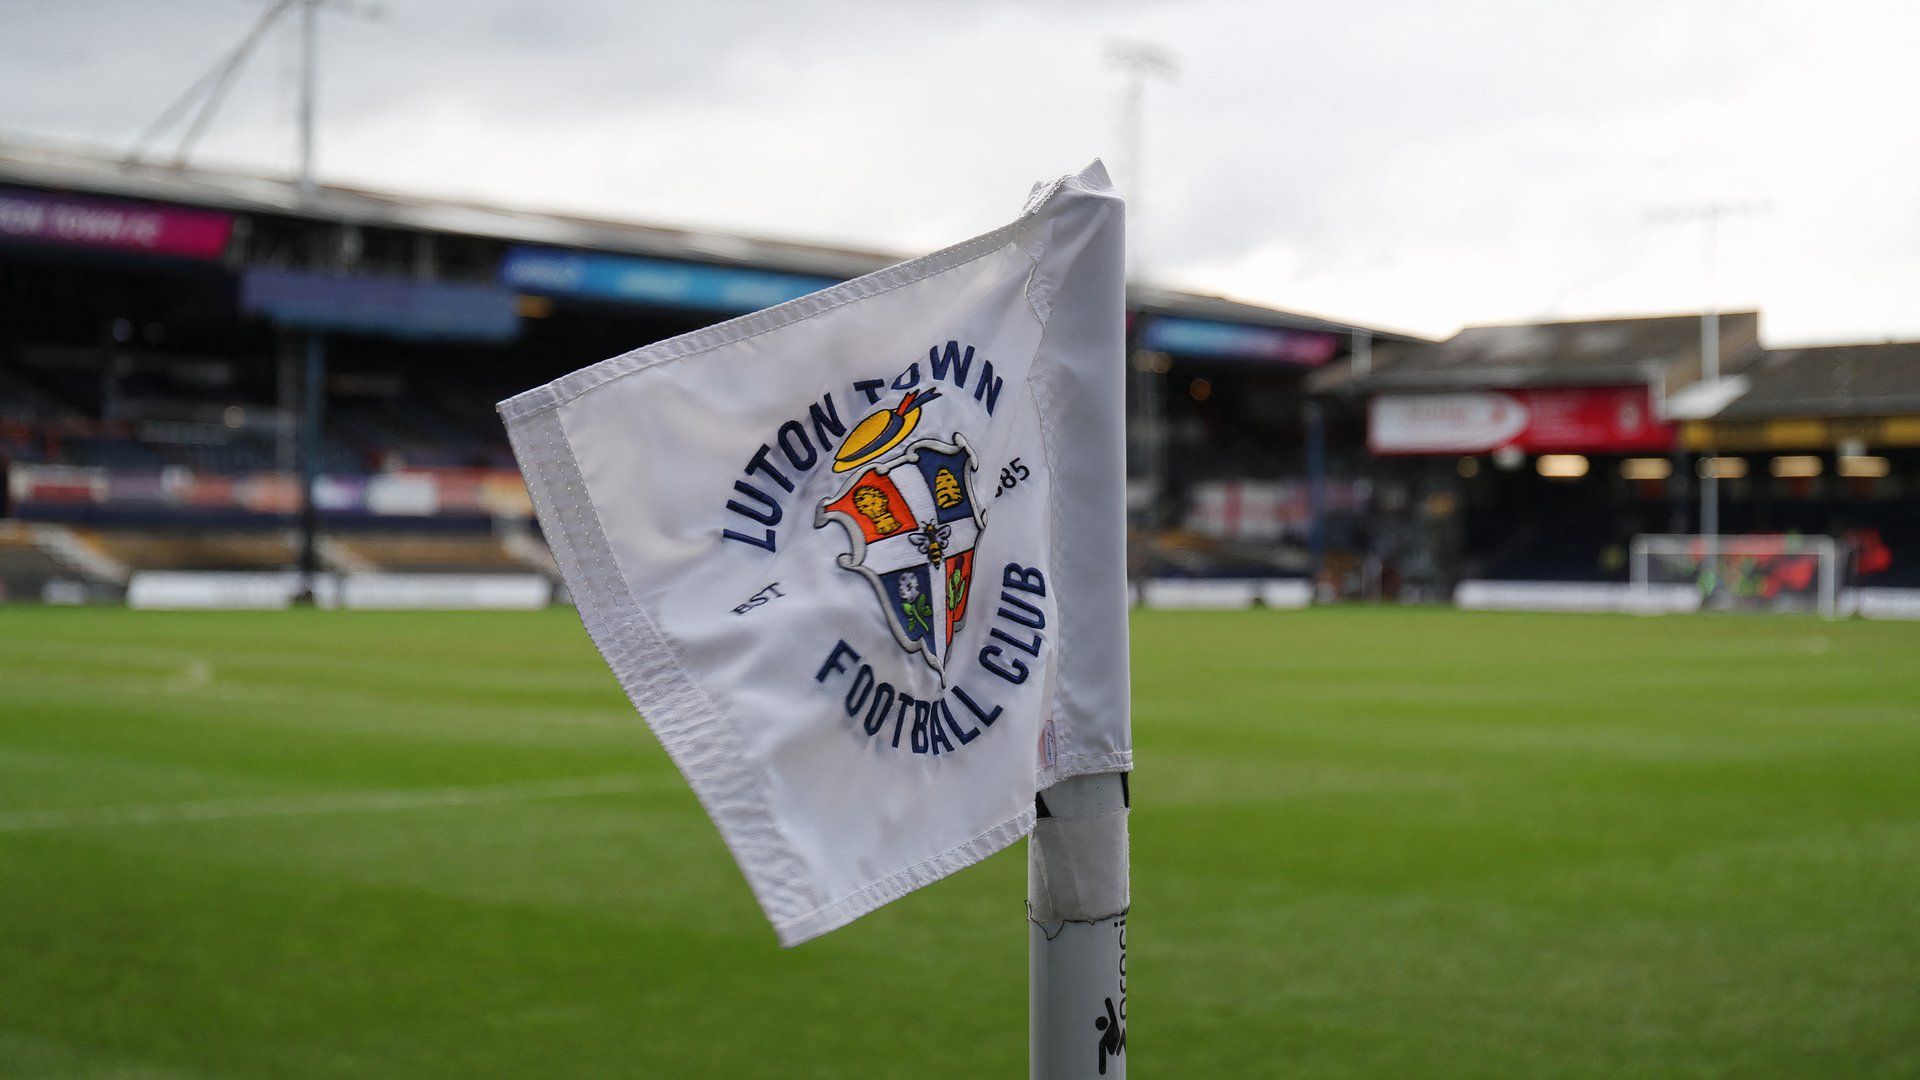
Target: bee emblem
(931, 541)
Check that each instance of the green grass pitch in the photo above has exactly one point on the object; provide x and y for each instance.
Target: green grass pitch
(1367, 843)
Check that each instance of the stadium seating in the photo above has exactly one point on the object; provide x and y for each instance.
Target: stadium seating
(25, 565)
(427, 552)
(195, 550)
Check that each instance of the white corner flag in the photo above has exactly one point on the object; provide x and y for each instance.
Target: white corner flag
(859, 559)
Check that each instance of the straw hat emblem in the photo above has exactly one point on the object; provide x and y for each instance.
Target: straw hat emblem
(881, 431)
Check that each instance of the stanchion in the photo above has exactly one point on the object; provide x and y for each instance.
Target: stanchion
(1077, 899)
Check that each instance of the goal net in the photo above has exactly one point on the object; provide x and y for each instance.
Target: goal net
(1776, 572)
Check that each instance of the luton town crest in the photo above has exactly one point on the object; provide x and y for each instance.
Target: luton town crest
(913, 518)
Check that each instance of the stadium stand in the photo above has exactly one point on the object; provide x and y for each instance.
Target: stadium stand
(152, 376)
(1538, 451)
(151, 392)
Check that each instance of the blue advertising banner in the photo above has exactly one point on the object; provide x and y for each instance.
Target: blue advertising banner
(390, 307)
(638, 280)
(1239, 341)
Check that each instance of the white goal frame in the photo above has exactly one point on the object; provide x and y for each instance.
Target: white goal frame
(1828, 550)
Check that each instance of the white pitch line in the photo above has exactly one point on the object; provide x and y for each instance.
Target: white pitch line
(193, 673)
(16, 821)
(192, 677)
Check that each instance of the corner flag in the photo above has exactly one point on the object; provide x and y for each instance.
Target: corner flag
(859, 559)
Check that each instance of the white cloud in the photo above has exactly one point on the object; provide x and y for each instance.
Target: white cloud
(1414, 164)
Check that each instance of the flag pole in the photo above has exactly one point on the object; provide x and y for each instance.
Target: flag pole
(1077, 899)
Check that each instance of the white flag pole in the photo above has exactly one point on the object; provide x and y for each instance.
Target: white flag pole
(1077, 899)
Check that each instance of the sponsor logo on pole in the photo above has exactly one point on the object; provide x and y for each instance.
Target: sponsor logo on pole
(1112, 1027)
(1113, 1036)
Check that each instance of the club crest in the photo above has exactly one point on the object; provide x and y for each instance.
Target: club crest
(912, 516)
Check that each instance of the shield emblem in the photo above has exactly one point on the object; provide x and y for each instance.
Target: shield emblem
(914, 522)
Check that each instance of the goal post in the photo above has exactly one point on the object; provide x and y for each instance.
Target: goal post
(1783, 572)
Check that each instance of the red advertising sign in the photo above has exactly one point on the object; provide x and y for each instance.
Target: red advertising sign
(1580, 419)
(40, 218)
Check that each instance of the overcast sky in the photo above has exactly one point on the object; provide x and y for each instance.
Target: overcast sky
(1418, 165)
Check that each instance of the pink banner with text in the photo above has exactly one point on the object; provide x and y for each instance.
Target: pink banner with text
(114, 225)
